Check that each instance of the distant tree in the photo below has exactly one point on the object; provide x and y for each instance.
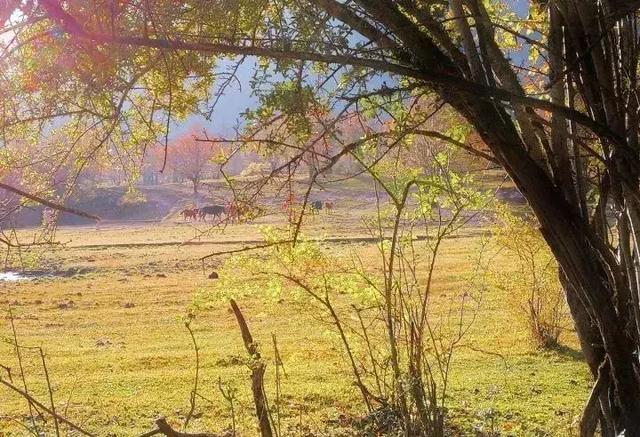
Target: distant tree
(190, 159)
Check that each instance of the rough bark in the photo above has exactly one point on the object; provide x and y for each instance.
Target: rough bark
(257, 373)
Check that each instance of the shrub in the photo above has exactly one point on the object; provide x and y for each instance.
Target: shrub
(533, 288)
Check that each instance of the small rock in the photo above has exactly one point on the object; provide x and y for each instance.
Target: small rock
(129, 305)
(213, 275)
(161, 275)
(536, 390)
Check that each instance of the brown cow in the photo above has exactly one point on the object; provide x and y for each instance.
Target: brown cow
(328, 206)
(234, 211)
(189, 214)
(288, 206)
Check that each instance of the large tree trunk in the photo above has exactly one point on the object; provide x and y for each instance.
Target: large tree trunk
(598, 409)
(583, 259)
(602, 57)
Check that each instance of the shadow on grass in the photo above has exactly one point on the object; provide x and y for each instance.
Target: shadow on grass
(567, 352)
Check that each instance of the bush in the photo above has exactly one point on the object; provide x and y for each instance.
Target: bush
(533, 288)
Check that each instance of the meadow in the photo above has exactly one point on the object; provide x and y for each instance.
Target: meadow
(119, 355)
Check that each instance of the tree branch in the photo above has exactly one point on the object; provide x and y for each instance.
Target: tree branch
(49, 203)
(165, 429)
(446, 82)
(41, 406)
(448, 139)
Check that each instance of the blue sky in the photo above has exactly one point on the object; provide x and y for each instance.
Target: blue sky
(236, 99)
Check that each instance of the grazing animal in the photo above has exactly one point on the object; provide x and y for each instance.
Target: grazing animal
(189, 214)
(234, 211)
(288, 206)
(289, 202)
(328, 206)
(316, 206)
(214, 210)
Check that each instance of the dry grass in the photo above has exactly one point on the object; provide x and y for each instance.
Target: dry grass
(119, 354)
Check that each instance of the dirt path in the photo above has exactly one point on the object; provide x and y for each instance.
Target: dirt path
(337, 240)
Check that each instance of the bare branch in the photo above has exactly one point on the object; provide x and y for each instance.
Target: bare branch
(44, 408)
(48, 203)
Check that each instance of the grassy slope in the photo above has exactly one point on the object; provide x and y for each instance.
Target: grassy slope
(122, 365)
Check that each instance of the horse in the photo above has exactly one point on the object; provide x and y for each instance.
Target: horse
(214, 210)
(189, 214)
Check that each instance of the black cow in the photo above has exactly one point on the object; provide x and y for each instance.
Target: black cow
(214, 210)
(316, 206)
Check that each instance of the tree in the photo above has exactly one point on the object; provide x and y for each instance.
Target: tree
(190, 159)
(563, 123)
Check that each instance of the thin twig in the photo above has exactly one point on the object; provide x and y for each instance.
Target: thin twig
(38, 404)
(192, 400)
(21, 367)
(50, 390)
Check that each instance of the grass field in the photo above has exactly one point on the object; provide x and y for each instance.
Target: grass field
(119, 355)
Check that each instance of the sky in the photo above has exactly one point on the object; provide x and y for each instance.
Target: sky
(236, 100)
